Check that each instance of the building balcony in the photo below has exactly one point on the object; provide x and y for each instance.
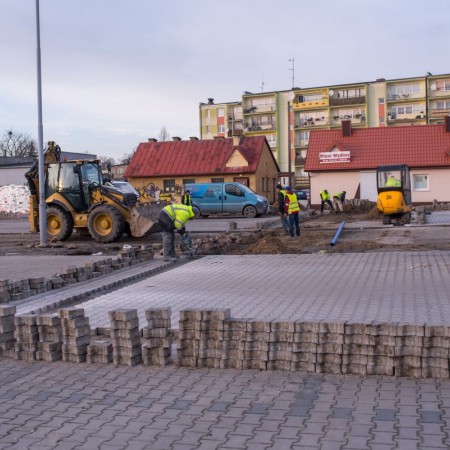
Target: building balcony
(318, 122)
(261, 127)
(438, 93)
(302, 143)
(259, 109)
(348, 101)
(301, 182)
(438, 113)
(395, 118)
(358, 119)
(300, 161)
(405, 97)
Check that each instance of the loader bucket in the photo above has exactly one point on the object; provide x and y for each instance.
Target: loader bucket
(144, 219)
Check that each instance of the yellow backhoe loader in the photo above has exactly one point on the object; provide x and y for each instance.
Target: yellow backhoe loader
(76, 198)
(394, 194)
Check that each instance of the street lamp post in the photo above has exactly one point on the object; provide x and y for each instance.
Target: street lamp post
(291, 97)
(42, 205)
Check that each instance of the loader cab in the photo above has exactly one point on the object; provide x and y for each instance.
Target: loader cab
(395, 178)
(69, 179)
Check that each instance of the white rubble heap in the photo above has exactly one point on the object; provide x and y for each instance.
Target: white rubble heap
(14, 199)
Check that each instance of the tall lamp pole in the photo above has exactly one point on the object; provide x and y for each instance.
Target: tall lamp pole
(291, 97)
(42, 205)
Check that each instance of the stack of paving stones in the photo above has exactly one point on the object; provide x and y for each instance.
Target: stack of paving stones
(75, 334)
(125, 337)
(38, 285)
(50, 338)
(201, 340)
(157, 340)
(100, 350)
(27, 337)
(21, 289)
(212, 339)
(7, 340)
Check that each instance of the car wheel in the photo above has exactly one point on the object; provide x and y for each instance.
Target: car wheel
(249, 211)
(196, 212)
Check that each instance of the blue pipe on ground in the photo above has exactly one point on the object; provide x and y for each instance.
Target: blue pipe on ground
(338, 232)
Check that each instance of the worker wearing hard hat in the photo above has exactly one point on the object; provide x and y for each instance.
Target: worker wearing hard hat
(173, 217)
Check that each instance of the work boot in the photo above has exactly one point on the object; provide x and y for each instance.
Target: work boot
(169, 258)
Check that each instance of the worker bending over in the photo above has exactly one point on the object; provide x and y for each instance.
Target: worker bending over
(325, 198)
(173, 217)
(338, 201)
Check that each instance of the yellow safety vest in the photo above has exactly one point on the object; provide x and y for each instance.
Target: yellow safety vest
(324, 196)
(186, 199)
(293, 203)
(180, 214)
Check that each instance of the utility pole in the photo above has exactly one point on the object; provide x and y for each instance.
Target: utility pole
(293, 71)
(42, 205)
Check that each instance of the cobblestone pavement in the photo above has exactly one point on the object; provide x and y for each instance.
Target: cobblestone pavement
(65, 406)
(90, 406)
(408, 287)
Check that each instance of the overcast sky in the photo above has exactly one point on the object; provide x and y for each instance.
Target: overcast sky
(115, 71)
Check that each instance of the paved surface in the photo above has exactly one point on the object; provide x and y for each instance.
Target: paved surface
(63, 406)
(409, 287)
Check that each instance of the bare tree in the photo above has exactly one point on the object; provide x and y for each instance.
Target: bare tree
(20, 145)
(164, 135)
(127, 157)
(107, 160)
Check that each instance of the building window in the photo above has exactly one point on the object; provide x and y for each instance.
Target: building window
(216, 180)
(208, 129)
(443, 85)
(220, 112)
(351, 93)
(169, 185)
(421, 183)
(188, 181)
(207, 113)
(221, 128)
(312, 97)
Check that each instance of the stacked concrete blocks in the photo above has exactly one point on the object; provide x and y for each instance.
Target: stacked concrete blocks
(7, 340)
(125, 337)
(100, 351)
(157, 340)
(76, 334)
(50, 338)
(27, 337)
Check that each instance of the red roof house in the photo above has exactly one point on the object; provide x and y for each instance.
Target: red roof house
(346, 159)
(167, 166)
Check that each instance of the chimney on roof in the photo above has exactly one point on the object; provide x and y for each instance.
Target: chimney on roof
(379, 80)
(193, 138)
(176, 138)
(210, 101)
(346, 126)
(447, 124)
(152, 140)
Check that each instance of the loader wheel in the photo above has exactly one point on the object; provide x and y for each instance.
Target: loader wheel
(408, 218)
(59, 223)
(106, 224)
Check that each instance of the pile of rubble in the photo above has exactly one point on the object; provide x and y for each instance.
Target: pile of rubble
(14, 200)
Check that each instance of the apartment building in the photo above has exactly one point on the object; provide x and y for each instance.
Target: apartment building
(286, 118)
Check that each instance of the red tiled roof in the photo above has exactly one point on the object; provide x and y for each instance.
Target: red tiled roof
(416, 146)
(202, 157)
